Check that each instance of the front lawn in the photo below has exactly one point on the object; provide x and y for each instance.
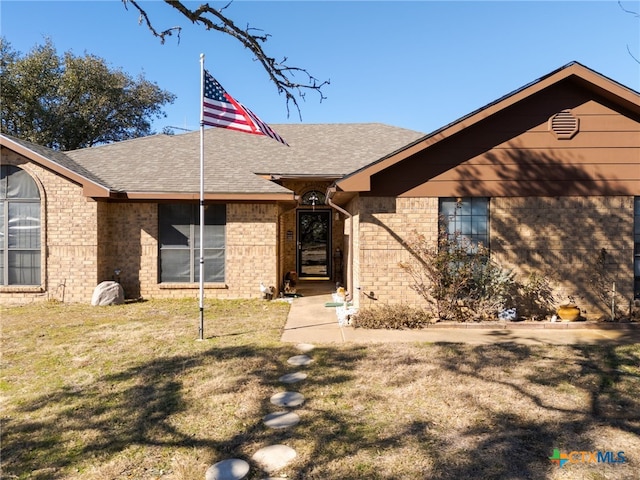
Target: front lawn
(126, 392)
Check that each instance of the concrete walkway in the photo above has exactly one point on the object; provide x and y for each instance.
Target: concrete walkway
(309, 321)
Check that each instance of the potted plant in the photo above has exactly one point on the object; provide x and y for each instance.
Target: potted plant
(569, 311)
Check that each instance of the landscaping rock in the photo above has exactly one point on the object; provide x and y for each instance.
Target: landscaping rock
(108, 293)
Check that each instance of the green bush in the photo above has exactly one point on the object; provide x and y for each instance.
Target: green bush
(396, 317)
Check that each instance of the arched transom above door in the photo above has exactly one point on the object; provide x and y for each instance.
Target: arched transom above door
(313, 198)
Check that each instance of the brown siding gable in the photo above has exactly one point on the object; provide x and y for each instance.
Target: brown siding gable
(583, 77)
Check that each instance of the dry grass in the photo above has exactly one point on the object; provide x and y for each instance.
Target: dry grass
(126, 392)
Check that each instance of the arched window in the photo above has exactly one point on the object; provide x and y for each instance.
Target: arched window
(19, 228)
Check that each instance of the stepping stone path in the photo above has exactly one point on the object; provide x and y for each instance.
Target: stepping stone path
(232, 469)
(287, 399)
(281, 419)
(300, 360)
(273, 457)
(305, 347)
(293, 377)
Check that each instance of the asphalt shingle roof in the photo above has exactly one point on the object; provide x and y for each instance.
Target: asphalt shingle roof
(234, 160)
(60, 158)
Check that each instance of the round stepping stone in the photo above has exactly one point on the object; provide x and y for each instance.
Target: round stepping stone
(281, 419)
(231, 469)
(274, 457)
(287, 399)
(293, 377)
(299, 360)
(305, 347)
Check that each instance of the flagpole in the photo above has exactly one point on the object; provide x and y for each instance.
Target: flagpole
(201, 329)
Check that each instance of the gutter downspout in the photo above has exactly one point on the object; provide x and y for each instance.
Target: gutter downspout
(330, 192)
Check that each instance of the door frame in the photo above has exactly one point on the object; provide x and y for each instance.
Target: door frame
(328, 213)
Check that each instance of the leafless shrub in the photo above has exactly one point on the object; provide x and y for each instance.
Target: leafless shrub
(458, 279)
(394, 316)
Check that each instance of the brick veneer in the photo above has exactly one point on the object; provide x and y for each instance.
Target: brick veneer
(252, 249)
(84, 241)
(382, 225)
(69, 239)
(130, 233)
(557, 237)
(561, 238)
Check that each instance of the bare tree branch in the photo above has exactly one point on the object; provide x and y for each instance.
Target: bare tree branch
(635, 14)
(145, 18)
(280, 74)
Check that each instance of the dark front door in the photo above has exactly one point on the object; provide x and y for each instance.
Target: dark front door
(314, 243)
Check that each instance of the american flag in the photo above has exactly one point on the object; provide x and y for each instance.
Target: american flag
(219, 109)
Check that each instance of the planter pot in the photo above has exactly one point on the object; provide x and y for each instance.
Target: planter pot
(570, 312)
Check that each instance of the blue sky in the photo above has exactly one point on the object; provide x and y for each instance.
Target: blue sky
(418, 65)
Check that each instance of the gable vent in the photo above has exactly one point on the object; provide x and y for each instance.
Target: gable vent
(564, 125)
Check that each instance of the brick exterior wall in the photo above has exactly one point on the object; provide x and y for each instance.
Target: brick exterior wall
(130, 233)
(558, 237)
(288, 245)
(352, 250)
(128, 241)
(561, 238)
(84, 241)
(252, 249)
(383, 224)
(69, 239)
